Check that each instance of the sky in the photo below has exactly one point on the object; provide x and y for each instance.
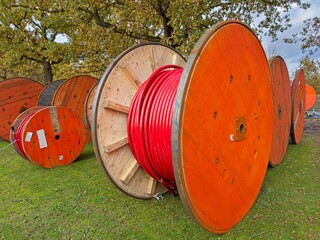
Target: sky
(291, 53)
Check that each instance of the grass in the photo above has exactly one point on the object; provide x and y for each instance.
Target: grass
(78, 202)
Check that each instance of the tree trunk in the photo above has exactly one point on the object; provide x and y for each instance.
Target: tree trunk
(48, 77)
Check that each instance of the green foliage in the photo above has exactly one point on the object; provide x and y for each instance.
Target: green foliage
(77, 201)
(312, 72)
(99, 30)
(28, 30)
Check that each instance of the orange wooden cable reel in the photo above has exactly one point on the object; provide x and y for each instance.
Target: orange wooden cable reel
(298, 104)
(46, 96)
(281, 109)
(16, 96)
(311, 96)
(221, 129)
(50, 137)
(73, 93)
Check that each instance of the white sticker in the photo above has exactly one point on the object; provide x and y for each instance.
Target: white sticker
(42, 139)
(28, 137)
(61, 157)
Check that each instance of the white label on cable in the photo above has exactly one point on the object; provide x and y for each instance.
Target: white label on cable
(28, 137)
(42, 139)
(61, 157)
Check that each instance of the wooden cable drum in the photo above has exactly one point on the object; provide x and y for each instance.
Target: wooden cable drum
(46, 96)
(88, 104)
(16, 125)
(311, 96)
(50, 137)
(281, 109)
(16, 96)
(298, 104)
(222, 122)
(110, 112)
(73, 93)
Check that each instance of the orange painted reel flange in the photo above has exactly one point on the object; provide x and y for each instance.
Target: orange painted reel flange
(298, 104)
(15, 126)
(311, 96)
(73, 93)
(222, 126)
(110, 112)
(53, 136)
(16, 96)
(281, 109)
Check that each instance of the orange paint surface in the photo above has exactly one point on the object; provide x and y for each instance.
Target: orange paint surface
(16, 96)
(53, 136)
(73, 93)
(218, 176)
(281, 110)
(311, 96)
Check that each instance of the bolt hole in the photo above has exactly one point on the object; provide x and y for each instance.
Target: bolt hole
(241, 127)
(231, 78)
(57, 137)
(215, 114)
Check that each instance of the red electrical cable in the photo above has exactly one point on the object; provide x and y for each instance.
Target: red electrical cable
(17, 136)
(149, 124)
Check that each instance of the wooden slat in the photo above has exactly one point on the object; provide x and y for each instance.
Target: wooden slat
(115, 145)
(130, 172)
(134, 82)
(151, 186)
(116, 106)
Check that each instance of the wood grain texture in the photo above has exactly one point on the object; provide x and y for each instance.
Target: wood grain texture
(58, 137)
(281, 110)
(298, 105)
(89, 103)
(46, 96)
(73, 93)
(16, 96)
(226, 77)
(110, 111)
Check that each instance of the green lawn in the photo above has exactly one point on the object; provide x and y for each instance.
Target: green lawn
(78, 202)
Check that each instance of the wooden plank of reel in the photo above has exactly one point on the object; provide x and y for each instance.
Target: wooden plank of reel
(89, 103)
(46, 96)
(281, 110)
(110, 112)
(298, 105)
(16, 124)
(16, 96)
(222, 126)
(73, 93)
(53, 136)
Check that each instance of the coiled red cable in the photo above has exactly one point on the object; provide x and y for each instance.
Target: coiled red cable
(149, 124)
(17, 136)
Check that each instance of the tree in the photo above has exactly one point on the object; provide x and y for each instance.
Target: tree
(311, 69)
(28, 33)
(309, 36)
(181, 23)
